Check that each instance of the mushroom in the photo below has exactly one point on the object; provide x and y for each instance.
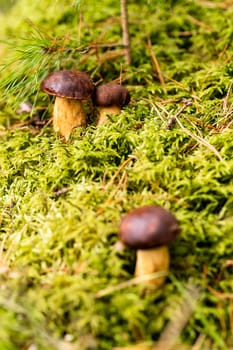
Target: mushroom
(70, 87)
(109, 99)
(149, 229)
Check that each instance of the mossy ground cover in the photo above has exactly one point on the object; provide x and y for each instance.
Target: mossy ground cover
(62, 283)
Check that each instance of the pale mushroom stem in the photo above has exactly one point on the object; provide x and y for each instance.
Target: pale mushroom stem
(67, 115)
(152, 260)
(103, 113)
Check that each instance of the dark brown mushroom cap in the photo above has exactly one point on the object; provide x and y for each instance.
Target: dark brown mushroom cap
(69, 84)
(148, 227)
(111, 94)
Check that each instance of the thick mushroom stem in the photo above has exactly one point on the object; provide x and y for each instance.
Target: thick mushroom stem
(68, 114)
(152, 260)
(103, 113)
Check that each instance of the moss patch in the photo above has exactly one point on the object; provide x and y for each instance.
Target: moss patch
(62, 283)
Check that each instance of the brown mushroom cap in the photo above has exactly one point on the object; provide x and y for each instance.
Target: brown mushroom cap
(148, 227)
(70, 84)
(111, 94)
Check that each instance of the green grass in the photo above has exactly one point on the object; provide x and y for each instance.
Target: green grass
(61, 280)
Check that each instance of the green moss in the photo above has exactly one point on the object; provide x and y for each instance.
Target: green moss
(61, 203)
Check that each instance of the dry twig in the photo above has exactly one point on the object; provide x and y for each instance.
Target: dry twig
(155, 63)
(121, 167)
(220, 295)
(125, 31)
(173, 119)
(180, 318)
(226, 99)
(199, 342)
(129, 283)
(195, 137)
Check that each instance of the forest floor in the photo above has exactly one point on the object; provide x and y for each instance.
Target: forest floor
(63, 284)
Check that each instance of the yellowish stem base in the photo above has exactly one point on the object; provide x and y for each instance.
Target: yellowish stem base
(67, 115)
(150, 261)
(103, 114)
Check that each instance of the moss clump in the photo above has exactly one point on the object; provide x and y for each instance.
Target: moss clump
(62, 282)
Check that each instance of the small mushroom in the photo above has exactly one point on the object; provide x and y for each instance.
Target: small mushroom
(70, 87)
(149, 229)
(109, 99)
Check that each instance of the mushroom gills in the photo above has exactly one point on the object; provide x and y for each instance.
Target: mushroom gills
(67, 115)
(150, 261)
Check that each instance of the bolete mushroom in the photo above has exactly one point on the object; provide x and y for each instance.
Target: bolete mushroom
(109, 99)
(70, 87)
(149, 229)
